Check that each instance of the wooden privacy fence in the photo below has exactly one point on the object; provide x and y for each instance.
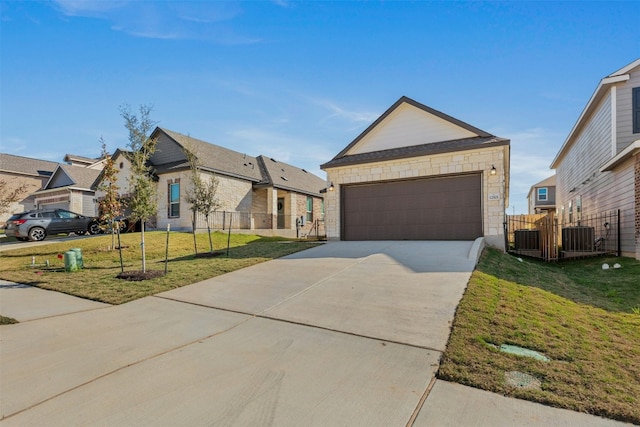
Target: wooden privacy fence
(546, 237)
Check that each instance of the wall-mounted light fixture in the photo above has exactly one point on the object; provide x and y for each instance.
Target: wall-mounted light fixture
(331, 187)
(493, 170)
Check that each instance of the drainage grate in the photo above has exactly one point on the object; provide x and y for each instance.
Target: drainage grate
(522, 380)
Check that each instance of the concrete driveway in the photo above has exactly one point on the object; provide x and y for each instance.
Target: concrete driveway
(347, 333)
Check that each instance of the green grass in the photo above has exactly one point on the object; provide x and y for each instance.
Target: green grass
(7, 320)
(583, 318)
(97, 281)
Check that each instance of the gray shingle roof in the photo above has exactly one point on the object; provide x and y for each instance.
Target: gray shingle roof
(417, 150)
(287, 177)
(213, 157)
(261, 170)
(26, 165)
(81, 176)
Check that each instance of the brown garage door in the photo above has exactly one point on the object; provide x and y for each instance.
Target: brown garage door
(447, 208)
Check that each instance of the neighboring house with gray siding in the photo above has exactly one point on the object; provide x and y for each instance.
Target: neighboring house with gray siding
(19, 170)
(262, 194)
(598, 166)
(542, 196)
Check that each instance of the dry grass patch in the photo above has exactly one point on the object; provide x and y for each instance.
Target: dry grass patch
(564, 311)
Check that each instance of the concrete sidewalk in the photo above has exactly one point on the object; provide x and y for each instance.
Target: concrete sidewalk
(347, 333)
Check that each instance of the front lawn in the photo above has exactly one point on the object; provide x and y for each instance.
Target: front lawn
(97, 281)
(585, 319)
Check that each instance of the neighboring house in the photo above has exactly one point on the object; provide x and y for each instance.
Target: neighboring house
(598, 166)
(18, 170)
(263, 194)
(71, 187)
(419, 174)
(542, 196)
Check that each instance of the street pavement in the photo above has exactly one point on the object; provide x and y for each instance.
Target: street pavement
(347, 333)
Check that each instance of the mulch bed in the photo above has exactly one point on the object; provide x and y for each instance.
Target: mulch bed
(137, 276)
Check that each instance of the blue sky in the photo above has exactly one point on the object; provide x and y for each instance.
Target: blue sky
(298, 81)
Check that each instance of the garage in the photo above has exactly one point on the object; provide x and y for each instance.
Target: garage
(417, 173)
(440, 208)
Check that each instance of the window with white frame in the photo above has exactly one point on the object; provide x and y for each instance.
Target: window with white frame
(174, 200)
(542, 194)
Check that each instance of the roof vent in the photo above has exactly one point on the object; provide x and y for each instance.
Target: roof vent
(304, 171)
(274, 160)
(284, 178)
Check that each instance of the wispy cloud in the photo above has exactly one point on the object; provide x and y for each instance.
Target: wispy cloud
(307, 154)
(209, 21)
(338, 111)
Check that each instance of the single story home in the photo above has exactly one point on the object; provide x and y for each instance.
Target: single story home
(418, 174)
(261, 194)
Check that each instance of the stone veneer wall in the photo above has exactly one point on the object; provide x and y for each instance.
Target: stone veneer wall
(430, 166)
(234, 194)
(301, 210)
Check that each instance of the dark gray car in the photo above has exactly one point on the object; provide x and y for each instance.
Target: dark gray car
(38, 224)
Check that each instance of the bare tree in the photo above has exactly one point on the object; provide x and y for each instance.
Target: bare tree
(143, 201)
(110, 207)
(9, 196)
(201, 195)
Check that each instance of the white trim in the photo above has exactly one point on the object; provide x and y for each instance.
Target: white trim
(595, 98)
(67, 188)
(626, 68)
(614, 121)
(615, 79)
(625, 154)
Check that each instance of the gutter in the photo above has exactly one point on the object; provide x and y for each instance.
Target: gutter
(632, 150)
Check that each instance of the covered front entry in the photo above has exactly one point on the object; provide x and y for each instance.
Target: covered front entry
(442, 208)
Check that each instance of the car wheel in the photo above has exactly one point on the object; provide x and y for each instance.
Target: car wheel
(37, 233)
(94, 228)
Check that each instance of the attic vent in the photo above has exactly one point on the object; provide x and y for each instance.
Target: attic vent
(284, 178)
(274, 160)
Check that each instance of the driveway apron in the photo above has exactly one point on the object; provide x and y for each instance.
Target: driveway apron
(347, 333)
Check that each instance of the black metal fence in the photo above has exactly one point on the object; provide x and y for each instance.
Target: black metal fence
(550, 238)
(225, 220)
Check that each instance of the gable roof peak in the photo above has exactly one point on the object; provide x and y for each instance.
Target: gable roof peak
(625, 70)
(462, 130)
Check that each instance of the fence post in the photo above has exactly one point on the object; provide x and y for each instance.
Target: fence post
(619, 248)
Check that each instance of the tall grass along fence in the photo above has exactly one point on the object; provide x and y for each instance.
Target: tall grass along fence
(548, 237)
